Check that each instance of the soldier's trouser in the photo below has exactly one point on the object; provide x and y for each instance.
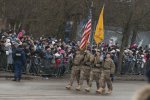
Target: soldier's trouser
(105, 79)
(75, 73)
(84, 75)
(94, 75)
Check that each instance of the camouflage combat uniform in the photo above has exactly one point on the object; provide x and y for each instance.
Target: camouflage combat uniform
(75, 73)
(143, 93)
(85, 69)
(107, 70)
(95, 73)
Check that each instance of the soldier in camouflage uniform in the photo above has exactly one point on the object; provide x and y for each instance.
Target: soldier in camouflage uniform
(143, 94)
(75, 73)
(85, 69)
(95, 72)
(108, 69)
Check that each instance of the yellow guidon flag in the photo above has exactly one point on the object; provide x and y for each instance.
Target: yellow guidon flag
(99, 33)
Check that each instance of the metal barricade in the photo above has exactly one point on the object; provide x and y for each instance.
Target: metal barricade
(147, 66)
(55, 70)
(33, 66)
(133, 66)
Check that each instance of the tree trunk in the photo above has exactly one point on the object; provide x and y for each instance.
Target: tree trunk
(125, 39)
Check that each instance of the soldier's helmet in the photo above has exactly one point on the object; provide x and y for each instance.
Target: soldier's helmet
(143, 94)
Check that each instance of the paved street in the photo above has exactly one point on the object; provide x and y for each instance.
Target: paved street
(54, 90)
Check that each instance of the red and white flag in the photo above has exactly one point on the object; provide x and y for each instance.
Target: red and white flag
(86, 34)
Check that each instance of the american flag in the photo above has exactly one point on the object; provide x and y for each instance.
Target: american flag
(86, 33)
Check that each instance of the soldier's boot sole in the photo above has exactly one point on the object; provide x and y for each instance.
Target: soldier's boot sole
(68, 88)
(109, 92)
(87, 90)
(78, 89)
(101, 91)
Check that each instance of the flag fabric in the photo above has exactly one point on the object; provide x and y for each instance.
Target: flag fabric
(99, 33)
(87, 31)
(86, 34)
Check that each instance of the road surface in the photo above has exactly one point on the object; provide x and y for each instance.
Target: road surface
(54, 89)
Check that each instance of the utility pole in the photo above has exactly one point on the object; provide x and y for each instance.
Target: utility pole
(3, 15)
(3, 9)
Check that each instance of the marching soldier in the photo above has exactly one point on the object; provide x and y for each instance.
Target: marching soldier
(75, 73)
(107, 72)
(95, 72)
(85, 69)
(143, 94)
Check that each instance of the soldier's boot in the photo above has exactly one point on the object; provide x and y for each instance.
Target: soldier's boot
(78, 88)
(109, 91)
(88, 89)
(68, 87)
(101, 91)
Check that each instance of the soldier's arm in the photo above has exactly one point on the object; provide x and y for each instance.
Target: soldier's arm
(112, 67)
(84, 59)
(92, 60)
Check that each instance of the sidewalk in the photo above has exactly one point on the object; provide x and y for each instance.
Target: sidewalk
(131, 78)
(11, 75)
(31, 77)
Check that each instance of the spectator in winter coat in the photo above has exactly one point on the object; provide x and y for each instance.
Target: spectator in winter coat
(8, 48)
(148, 76)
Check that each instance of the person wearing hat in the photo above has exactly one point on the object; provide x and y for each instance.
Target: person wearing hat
(47, 56)
(108, 69)
(28, 58)
(114, 56)
(143, 93)
(95, 71)
(85, 69)
(75, 72)
(3, 60)
(19, 61)
(8, 48)
(148, 76)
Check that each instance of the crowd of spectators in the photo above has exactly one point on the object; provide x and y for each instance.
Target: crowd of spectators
(48, 55)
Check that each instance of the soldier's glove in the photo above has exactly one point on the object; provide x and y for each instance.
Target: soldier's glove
(112, 77)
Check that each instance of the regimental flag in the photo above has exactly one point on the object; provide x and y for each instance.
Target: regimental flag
(99, 33)
(86, 32)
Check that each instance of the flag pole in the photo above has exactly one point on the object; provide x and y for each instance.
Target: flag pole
(99, 33)
(92, 15)
(87, 37)
(97, 48)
